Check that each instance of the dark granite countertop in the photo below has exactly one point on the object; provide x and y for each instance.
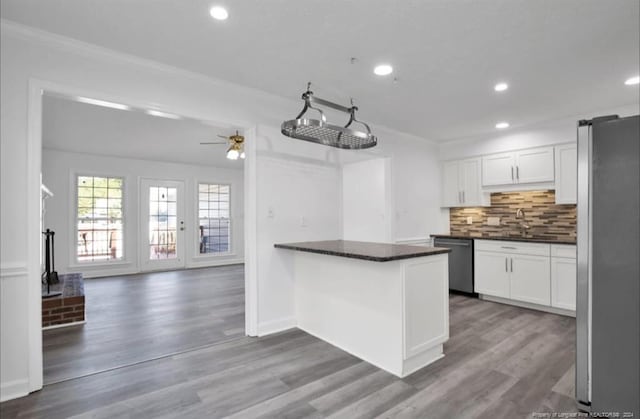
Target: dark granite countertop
(376, 252)
(532, 239)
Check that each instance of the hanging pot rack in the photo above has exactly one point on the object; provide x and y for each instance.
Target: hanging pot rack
(320, 132)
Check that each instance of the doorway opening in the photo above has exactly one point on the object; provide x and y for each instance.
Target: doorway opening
(161, 261)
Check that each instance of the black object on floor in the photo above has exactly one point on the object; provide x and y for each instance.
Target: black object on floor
(50, 275)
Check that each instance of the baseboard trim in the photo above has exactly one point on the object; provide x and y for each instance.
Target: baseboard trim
(14, 389)
(552, 310)
(275, 326)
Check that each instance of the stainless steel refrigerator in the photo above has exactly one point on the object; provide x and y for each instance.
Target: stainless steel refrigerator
(608, 287)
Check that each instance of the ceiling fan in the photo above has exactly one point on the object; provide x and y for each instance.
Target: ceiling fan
(236, 145)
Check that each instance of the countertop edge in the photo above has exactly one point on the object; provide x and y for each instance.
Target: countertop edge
(363, 257)
(506, 239)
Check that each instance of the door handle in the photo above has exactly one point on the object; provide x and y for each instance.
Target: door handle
(511, 264)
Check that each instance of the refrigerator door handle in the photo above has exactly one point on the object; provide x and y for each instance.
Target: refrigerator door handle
(583, 280)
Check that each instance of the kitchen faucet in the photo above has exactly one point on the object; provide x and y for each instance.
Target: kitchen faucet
(524, 227)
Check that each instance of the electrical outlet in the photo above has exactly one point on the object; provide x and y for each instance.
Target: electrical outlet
(493, 221)
(303, 221)
(270, 213)
(469, 220)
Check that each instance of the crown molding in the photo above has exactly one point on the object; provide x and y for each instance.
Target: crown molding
(31, 34)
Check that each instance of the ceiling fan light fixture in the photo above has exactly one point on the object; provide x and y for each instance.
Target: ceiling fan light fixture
(234, 152)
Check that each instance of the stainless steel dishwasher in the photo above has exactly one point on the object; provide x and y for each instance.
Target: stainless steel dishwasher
(460, 263)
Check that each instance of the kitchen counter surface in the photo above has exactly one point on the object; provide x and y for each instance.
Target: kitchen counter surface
(533, 239)
(376, 252)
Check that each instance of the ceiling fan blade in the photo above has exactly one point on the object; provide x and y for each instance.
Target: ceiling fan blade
(212, 143)
(222, 136)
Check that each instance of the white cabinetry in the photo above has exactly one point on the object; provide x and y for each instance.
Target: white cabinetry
(513, 270)
(563, 276)
(530, 279)
(566, 157)
(491, 274)
(461, 186)
(535, 165)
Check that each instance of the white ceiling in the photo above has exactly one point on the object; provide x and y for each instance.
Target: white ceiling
(560, 57)
(82, 128)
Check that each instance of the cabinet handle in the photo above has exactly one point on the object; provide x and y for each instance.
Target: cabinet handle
(506, 266)
(459, 197)
(463, 200)
(511, 264)
(518, 173)
(507, 247)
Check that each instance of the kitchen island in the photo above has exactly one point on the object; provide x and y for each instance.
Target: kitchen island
(387, 304)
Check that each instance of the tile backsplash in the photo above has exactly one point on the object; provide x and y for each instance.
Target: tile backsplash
(547, 220)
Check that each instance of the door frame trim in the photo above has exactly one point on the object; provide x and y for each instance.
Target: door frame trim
(36, 87)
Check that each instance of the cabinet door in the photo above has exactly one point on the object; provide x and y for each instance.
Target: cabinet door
(498, 169)
(470, 182)
(535, 165)
(566, 174)
(491, 274)
(450, 184)
(530, 279)
(563, 283)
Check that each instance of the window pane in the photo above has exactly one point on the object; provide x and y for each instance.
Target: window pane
(214, 225)
(99, 222)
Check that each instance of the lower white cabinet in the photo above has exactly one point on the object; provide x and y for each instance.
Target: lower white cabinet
(530, 279)
(533, 273)
(514, 276)
(491, 274)
(563, 277)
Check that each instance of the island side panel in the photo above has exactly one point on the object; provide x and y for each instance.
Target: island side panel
(426, 310)
(353, 304)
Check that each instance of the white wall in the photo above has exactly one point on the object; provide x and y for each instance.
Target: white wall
(559, 131)
(367, 201)
(59, 169)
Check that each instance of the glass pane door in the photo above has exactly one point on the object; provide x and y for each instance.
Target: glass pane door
(162, 214)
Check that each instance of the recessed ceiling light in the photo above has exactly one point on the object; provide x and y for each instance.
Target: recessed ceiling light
(500, 87)
(502, 125)
(633, 80)
(104, 103)
(383, 70)
(219, 13)
(153, 112)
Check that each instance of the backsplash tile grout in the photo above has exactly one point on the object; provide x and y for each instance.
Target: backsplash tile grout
(547, 220)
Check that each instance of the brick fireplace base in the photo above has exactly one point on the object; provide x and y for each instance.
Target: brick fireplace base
(68, 308)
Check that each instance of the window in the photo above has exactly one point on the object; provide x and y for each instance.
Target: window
(213, 216)
(99, 217)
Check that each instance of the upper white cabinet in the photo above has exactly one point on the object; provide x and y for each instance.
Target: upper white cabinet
(461, 186)
(498, 169)
(566, 173)
(535, 165)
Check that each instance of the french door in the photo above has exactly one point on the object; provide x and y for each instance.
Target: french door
(162, 224)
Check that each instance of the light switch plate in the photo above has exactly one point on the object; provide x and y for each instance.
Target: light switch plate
(469, 220)
(493, 221)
